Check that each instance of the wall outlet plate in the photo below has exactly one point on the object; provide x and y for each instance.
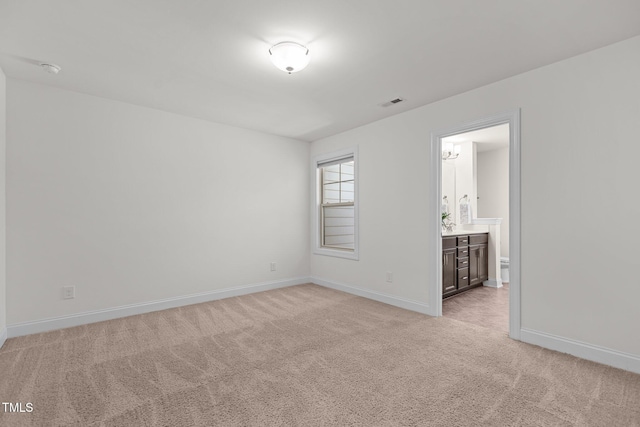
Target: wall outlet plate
(68, 292)
(389, 277)
(273, 266)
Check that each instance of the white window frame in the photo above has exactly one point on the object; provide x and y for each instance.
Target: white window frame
(317, 248)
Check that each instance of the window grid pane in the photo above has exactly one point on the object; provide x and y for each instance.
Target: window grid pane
(337, 205)
(338, 183)
(338, 229)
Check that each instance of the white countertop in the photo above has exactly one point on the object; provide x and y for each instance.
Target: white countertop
(462, 232)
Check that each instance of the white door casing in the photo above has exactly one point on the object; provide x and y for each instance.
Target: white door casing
(435, 283)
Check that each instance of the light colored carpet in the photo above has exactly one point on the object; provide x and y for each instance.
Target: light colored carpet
(307, 356)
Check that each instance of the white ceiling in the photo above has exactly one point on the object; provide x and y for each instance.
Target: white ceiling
(209, 59)
(487, 139)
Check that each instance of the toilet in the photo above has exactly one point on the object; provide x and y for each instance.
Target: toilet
(504, 269)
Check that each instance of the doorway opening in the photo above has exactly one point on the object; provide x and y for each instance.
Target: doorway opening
(475, 171)
(475, 177)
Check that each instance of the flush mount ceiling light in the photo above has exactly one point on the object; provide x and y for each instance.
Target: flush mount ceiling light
(449, 152)
(290, 57)
(50, 68)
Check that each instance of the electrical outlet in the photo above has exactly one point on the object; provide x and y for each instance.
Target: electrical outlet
(273, 266)
(68, 292)
(389, 277)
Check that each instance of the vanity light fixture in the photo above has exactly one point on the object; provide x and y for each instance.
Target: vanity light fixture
(449, 151)
(290, 57)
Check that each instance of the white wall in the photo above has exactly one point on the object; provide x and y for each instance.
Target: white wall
(449, 187)
(131, 204)
(575, 112)
(466, 178)
(3, 252)
(493, 191)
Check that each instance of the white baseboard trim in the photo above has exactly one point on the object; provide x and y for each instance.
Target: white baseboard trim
(606, 356)
(43, 325)
(492, 283)
(3, 336)
(376, 296)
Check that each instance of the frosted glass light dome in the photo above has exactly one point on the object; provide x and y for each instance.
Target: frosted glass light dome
(290, 57)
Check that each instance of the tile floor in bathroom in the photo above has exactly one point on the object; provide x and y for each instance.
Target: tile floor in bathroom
(482, 306)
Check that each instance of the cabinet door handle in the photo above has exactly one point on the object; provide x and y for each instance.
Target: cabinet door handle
(465, 277)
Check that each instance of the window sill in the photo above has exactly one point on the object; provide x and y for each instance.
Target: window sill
(353, 255)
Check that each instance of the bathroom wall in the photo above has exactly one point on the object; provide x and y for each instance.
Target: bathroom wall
(449, 186)
(466, 178)
(493, 191)
(459, 178)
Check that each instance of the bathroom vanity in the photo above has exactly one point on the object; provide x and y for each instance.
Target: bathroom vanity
(465, 261)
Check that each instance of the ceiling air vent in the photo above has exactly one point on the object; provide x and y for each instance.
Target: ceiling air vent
(392, 102)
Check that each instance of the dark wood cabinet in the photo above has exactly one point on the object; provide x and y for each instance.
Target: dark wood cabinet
(478, 258)
(449, 269)
(463, 278)
(478, 264)
(465, 262)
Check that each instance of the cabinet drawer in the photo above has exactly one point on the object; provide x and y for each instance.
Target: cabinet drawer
(478, 238)
(463, 252)
(448, 242)
(463, 278)
(463, 262)
(463, 240)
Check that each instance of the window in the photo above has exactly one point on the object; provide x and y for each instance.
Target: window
(337, 207)
(336, 204)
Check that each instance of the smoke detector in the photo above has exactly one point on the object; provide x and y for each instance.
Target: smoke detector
(51, 68)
